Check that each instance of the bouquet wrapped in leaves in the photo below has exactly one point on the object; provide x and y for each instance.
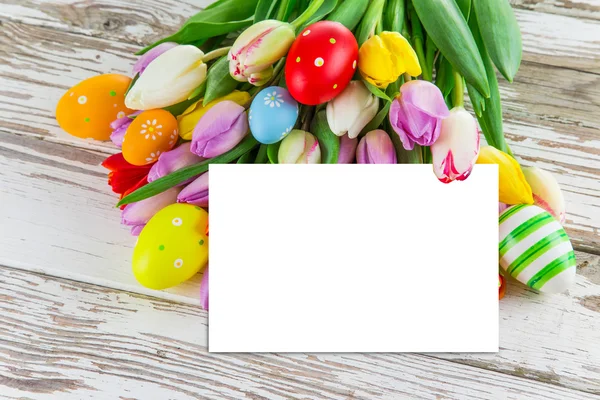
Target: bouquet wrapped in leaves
(321, 81)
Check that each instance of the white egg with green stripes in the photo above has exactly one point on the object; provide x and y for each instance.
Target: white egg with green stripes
(535, 249)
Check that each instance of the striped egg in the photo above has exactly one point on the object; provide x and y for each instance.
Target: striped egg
(535, 249)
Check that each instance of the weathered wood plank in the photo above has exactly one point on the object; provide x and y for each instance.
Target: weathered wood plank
(552, 114)
(57, 218)
(67, 340)
(579, 8)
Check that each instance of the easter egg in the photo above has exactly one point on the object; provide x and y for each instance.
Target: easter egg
(535, 249)
(273, 114)
(172, 247)
(321, 62)
(501, 287)
(150, 134)
(88, 108)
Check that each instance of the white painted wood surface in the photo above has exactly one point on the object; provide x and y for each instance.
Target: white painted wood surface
(63, 339)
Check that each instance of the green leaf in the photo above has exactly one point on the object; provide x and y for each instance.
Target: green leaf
(393, 17)
(273, 152)
(179, 176)
(285, 13)
(328, 141)
(261, 157)
(350, 12)
(247, 158)
(378, 120)
(133, 81)
(465, 8)
(198, 92)
(366, 29)
(218, 81)
(490, 119)
(501, 34)
(444, 79)
(376, 91)
(179, 108)
(448, 29)
(222, 18)
(264, 10)
(327, 7)
(477, 100)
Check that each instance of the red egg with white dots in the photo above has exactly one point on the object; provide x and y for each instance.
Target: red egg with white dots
(321, 62)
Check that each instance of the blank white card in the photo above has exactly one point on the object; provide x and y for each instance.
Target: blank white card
(352, 258)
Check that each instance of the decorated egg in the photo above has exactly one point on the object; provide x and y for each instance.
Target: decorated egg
(273, 114)
(501, 287)
(88, 108)
(172, 247)
(535, 249)
(150, 134)
(321, 62)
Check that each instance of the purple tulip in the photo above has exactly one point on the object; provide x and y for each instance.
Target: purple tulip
(347, 150)
(145, 60)
(220, 129)
(417, 113)
(138, 214)
(196, 193)
(173, 160)
(204, 290)
(119, 128)
(376, 147)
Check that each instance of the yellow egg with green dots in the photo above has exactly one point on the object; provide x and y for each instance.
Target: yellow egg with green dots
(172, 247)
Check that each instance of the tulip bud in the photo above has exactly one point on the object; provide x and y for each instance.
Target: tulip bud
(119, 128)
(196, 193)
(454, 153)
(190, 117)
(376, 147)
(169, 79)
(416, 114)
(384, 57)
(145, 60)
(299, 147)
(220, 129)
(512, 186)
(204, 290)
(350, 111)
(173, 160)
(257, 49)
(138, 214)
(546, 192)
(347, 150)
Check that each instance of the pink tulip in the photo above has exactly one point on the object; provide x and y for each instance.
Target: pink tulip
(196, 193)
(138, 214)
(172, 161)
(204, 290)
(347, 150)
(119, 128)
(456, 150)
(145, 60)
(416, 114)
(220, 129)
(376, 147)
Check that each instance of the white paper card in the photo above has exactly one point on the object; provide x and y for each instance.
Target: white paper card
(352, 258)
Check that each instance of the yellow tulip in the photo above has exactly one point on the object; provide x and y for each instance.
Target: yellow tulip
(512, 185)
(384, 57)
(189, 119)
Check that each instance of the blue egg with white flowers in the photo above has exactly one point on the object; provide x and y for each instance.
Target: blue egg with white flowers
(272, 115)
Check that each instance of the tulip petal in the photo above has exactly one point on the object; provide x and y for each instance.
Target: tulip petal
(376, 147)
(195, 193)
(204, 290)
(145, 60)
(173, 160)
(140, 213)
(401, 49)
(299, 147)
(546, 192)
(347, 150)
(375, 63)
(220, 129)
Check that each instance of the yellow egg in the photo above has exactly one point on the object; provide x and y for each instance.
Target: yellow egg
(150, 134)
(172, 247)
(88, 108)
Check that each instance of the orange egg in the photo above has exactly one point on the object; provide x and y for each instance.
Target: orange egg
(150, 134)
(88, 108)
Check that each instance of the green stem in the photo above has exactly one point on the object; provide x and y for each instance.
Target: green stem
(305, 16)
(458, 93)
(215, 54)
(427, 74)
(282, 9)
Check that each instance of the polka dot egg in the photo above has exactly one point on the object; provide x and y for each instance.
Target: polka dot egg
(535, 249)
(172, 247)
(88, 108)
(321, 62)
(273, 114)
(150, 134)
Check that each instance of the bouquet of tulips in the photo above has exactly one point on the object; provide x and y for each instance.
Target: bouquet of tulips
(321, 81)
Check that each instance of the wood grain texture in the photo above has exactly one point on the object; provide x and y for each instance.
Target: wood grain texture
(59, 217)
(67, 340)
(552, 114)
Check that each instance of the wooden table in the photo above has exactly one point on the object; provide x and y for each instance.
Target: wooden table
(74, 323)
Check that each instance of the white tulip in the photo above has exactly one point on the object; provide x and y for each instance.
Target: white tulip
(169, 79)
(352, 110)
